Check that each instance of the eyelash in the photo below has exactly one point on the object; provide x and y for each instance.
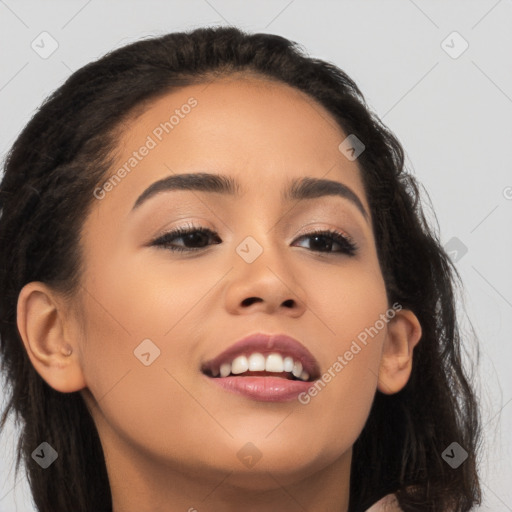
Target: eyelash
(349, 247)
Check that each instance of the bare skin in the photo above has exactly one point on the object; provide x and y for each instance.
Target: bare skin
(170, 436)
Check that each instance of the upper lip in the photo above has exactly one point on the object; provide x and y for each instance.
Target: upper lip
(267, 344)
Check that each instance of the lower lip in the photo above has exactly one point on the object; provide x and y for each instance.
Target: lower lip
(264, 389)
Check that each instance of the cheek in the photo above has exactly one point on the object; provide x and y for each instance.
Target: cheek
(347, 304)
(148, 297)
(148, 406)
(340, 401)
(124, 308)
(352, 333)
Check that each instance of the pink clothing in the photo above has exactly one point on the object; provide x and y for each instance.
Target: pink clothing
(387, 504)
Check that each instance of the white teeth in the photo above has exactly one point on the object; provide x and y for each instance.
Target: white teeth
(225, 369)
(239, 365)
(274, 363)
(257, 362)
(297, 369)
(288, 364)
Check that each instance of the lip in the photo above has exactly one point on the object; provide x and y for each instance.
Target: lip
(265, 388)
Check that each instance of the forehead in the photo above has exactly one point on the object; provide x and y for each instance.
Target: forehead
(261, 132)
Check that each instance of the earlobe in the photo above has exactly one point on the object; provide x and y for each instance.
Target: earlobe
(403, 334)
(41, 327)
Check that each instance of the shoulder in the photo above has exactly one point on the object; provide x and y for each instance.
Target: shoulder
(387, 504)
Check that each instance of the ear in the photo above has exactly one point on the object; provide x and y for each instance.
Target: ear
(42, 327)
(403, 333)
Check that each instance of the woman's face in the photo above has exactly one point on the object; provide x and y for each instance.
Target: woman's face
(151, 317)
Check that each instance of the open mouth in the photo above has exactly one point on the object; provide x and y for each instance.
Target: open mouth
(259, 365)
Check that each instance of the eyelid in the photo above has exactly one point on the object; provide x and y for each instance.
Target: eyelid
(307, 230)
(188, 224)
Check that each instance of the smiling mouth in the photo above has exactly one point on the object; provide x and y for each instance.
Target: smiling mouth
(267, 359)
(259, 365)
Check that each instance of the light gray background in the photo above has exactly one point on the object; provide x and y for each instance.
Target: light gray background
(453, 116)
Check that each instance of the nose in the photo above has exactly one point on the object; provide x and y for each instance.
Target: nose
(267, 284)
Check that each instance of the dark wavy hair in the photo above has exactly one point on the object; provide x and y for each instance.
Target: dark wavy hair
(66, 151)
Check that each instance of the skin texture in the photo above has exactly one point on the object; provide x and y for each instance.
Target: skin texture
(171, 436)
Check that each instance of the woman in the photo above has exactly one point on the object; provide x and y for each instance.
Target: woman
(219, 292)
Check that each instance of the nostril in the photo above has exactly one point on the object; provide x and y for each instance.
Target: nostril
(250, 300)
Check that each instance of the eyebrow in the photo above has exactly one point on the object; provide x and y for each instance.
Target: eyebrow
(298, 188)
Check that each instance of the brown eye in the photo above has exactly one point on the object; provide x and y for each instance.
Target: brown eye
(324, 240)
(191, 236)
